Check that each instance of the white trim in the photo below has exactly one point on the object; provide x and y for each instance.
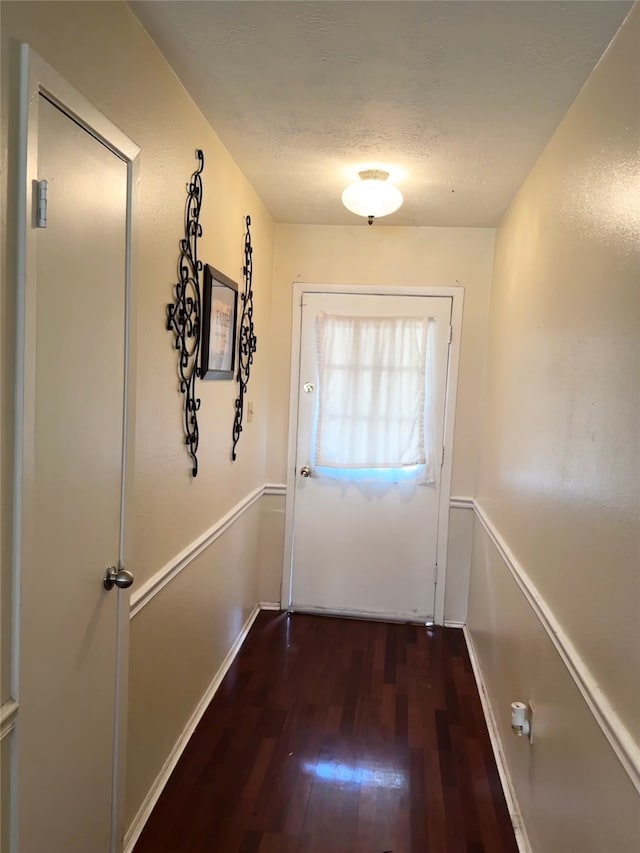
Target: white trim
(275, 489)
(294, 384)
(70, 101)
(371, 615)
(503, 770)
(24, 266)
(126, 507)
(300, 287)
(446, 471)
(170, 570)
(269, 605)
(8, 714)
(456, 294)
(461, 503)
(137, 824)
(454, 623)
(614, 729)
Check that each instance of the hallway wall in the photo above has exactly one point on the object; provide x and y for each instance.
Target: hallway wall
(556, 561)
(102, 50)
(559, 477)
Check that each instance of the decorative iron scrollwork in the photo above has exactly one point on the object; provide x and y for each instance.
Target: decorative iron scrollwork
(184, 313)
(247, 340)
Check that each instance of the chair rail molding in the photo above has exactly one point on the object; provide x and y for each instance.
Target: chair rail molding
(461, 502)
(275, 489)
(619, 737)
(605, 714)
(170, 570)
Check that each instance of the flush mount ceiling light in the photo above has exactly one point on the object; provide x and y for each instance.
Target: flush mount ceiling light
(372, 196)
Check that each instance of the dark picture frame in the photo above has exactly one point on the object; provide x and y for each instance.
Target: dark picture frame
(219, 325)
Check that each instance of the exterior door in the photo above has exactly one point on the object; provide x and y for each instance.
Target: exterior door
(72, 506)
(365, 542)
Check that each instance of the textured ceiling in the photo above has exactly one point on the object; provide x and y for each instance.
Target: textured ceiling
(455, 99)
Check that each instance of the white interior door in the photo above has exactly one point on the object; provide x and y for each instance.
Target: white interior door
(72, 494)
(366, 547)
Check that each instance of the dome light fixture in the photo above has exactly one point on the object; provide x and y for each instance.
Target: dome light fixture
(371, 196)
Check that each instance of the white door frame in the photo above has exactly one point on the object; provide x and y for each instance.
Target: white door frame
(38, 78)
(456, 294)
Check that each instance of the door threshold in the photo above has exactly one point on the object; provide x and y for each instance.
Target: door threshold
(410, 618)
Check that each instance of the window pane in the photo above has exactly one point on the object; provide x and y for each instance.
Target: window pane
(372, 393)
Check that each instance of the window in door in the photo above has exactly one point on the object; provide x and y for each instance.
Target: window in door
(372, 419)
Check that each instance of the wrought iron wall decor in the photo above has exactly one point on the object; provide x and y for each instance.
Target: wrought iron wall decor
(247, 340)
(184, 313)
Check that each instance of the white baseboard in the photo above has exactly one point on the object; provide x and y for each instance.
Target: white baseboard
(503, 771)
(137, 825)
(453, 623)
(269, 605)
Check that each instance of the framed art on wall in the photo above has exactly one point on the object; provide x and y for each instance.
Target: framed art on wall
(219, 320)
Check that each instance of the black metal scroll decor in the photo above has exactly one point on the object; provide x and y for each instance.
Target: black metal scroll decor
(184, 313)
(247, 340)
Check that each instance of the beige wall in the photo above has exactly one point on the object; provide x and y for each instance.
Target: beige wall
(271, 546)
(560, 467)
(458, 565)
(573, 793)
(380, 255)
(102, 50)
(179, 641)
(187, 630)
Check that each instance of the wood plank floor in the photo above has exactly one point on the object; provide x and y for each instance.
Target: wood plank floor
(334, 735)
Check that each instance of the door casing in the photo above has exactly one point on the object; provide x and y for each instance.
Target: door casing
(456, 293)
(37, 78)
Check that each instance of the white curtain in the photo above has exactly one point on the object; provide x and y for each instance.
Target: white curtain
(373, 391)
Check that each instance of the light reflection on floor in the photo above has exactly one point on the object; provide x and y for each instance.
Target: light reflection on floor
(370, 775)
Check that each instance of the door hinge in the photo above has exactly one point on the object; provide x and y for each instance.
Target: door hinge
(435, 574)
(450, 333)
(442, 457)
(41, 204)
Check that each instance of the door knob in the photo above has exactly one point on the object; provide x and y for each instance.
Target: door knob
(117, 577)
(305, 471)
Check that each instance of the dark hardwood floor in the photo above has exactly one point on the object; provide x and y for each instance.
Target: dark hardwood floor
(334, 735)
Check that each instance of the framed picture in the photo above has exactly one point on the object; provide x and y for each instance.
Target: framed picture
(219, 315)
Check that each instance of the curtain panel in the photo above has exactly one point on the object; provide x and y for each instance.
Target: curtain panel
(373, 397)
